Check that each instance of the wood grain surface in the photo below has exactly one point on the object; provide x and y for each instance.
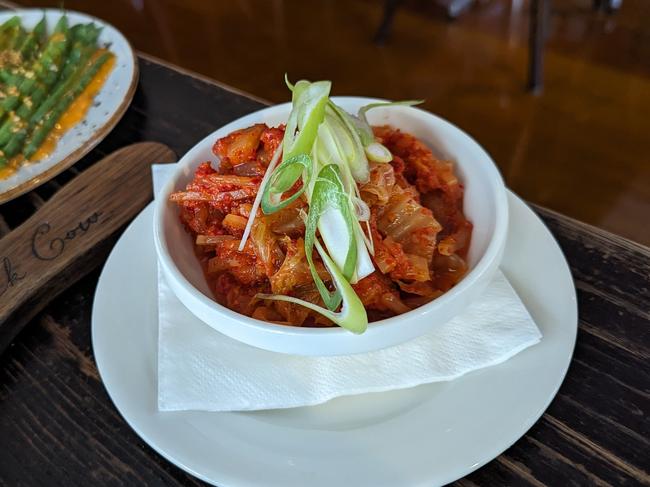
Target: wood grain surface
(58, 426)
(72, 231)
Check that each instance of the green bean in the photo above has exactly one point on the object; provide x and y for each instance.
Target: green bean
(31, 103)
(46, 69)
(84, 45)
(30, 45)
(9, 23)
(18, 82)
(32, 93)
(13, 147)
(6, 130)
(9, 38)
(10, 99)
(11, 124)
(24, 112)
(48, 66)
(61, 24)
(37, 95)
(14, 120)
(19, 86)
(19, 37)
(15, 144)
(81, 52)
(10, 91)
(40, 30)
(86, 33)
(6, 30)
(6, 75)
(24, 44)
(49, 121)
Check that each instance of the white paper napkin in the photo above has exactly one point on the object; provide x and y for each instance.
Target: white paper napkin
(201, 369)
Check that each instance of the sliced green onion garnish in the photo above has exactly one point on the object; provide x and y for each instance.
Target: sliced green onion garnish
(352, 315)
(370, 106)
(346, 130)
(329, 149)
(375, 151)
(287, 82)
(309, 102)
(282, 179)
(328, 195)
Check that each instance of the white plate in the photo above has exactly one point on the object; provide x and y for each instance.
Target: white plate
(428, 435)
(110, 104)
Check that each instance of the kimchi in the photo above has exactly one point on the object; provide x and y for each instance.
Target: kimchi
(417, 232)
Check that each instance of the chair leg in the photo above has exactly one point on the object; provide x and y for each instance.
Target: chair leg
(612, 5)
(383, 32)
(609, 6)
(537, 35)
(457, 7)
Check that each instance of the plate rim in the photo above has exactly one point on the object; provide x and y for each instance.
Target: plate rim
(134, 422)
(99, 135)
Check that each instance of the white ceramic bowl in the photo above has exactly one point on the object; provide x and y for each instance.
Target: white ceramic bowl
(485, 205)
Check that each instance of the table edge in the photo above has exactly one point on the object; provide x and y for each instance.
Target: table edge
(598, 232)
(201, 77)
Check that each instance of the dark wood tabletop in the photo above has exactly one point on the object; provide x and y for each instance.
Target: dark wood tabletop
(59, 427)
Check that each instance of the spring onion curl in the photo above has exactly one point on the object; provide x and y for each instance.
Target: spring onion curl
(369, 136)
(328, 195)
(309, 102)
(352, 315)
(287, 82)
(330, 150)
(282, 179)
(334, 145)
(350, 143)
(374, 151)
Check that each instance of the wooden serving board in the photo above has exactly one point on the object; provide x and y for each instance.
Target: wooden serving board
(72, 233)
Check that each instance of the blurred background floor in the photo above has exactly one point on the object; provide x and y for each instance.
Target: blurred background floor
(582, 147)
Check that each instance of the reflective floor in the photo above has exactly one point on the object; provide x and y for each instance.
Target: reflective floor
(582, 147)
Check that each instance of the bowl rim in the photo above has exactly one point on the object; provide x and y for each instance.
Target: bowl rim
(484, 263)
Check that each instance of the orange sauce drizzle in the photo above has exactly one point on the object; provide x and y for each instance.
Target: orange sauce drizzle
(72, 116)
(12, 166)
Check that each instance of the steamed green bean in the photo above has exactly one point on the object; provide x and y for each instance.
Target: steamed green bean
(41, 75)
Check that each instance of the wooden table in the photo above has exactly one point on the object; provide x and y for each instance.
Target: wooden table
(58, 426)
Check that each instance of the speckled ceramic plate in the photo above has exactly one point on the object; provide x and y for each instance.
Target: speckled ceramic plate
(110, 104)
